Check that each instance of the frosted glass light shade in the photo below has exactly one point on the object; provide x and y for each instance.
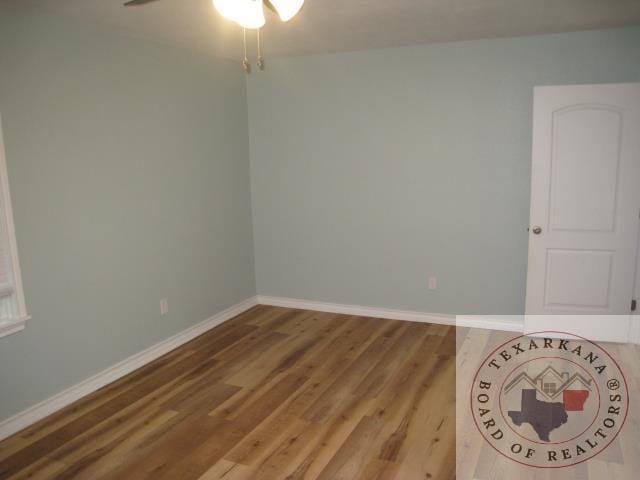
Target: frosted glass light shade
(247, 13)
(287, 9)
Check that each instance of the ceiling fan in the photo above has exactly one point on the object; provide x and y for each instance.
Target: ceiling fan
(249, 14)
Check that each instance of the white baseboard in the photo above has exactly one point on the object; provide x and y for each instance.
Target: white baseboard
(37, 412)
(358, 310)
(498, 322)
(31, 415)
(503, 323)
(634, 329)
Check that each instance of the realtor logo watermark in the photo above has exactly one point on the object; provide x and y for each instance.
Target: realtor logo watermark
(550, 400)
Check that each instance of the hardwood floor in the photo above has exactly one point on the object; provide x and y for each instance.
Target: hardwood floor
(273, 394)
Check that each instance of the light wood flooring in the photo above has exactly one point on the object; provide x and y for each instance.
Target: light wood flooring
(273, 394)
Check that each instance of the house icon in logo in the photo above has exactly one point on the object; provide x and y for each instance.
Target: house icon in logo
(550, 383)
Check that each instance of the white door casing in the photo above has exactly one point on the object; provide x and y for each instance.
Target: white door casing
(585, 199)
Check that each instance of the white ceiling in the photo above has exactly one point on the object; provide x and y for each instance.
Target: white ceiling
(343, 25)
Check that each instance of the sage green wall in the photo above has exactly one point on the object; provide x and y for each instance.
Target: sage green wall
(129, 172)
(373, 170)
(129, 169)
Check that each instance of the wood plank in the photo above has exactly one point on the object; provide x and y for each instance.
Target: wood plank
(274, 393)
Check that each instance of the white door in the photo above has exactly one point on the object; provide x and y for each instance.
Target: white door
(585, 203)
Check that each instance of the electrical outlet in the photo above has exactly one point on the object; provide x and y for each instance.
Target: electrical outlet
(164, 306)
(433, 283)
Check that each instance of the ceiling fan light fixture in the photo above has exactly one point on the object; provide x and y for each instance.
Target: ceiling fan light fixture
(246, 13)
(287, 9)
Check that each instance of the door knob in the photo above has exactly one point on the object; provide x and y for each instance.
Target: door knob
(536, 230)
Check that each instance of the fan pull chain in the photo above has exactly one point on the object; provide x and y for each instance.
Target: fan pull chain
(245, 61)
(260, 59)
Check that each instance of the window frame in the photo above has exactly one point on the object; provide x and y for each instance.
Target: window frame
(14, 303)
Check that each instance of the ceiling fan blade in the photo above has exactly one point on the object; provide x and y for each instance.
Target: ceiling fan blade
(133, 3)
(270, 6)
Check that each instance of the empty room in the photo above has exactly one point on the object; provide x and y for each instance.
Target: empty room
(319, 239)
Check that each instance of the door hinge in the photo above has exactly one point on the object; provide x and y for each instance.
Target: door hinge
(634, 305)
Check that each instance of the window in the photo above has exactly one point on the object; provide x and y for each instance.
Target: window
(549, 388)
(13, 312)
